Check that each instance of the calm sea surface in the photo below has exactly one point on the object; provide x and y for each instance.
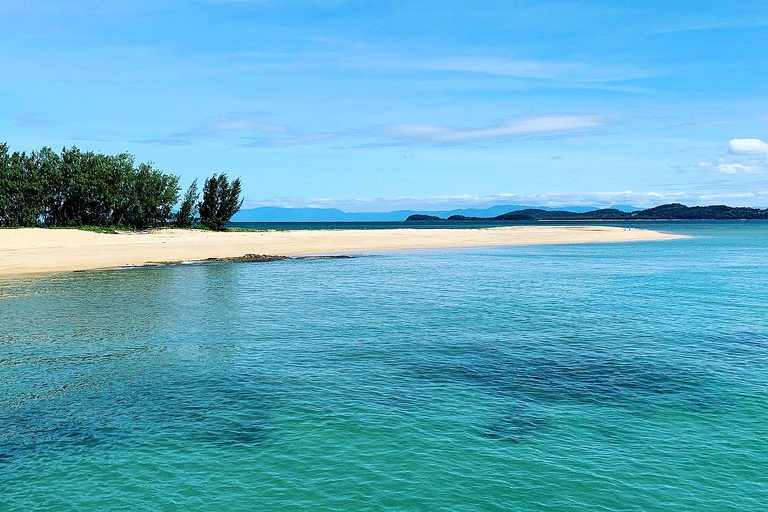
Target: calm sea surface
(580, 377)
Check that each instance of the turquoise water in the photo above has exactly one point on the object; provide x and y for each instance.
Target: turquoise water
(581, 377)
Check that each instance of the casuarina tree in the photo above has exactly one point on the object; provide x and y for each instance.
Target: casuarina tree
(78, 188)
(221, 200)
(189, 207)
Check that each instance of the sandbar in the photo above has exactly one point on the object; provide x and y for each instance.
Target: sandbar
(33, 251)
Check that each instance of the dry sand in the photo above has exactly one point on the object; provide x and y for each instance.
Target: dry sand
(45, 251)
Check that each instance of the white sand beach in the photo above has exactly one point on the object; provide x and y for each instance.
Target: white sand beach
(44, 251)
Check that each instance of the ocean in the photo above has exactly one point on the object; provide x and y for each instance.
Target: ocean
(628, 376)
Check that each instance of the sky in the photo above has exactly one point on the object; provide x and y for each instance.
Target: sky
(375, 105)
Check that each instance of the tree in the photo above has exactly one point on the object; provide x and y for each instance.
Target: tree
(47, 167)
(221, 200)
(189, 207)
(80, 188)
(154, 196)
(6, 185)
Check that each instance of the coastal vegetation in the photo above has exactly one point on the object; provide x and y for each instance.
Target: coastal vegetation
(673, 211)
(187, 213)
(78, 188)
(221, 200)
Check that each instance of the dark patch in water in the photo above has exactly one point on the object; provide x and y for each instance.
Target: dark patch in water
(609, 381)
(235, 433)
(31, 436)
(585, 379)
(198, 409)
(515, 427)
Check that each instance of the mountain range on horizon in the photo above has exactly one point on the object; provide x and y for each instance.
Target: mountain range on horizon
(284, 214)
(669, 211)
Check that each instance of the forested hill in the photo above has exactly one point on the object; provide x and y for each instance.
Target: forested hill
(674, 211)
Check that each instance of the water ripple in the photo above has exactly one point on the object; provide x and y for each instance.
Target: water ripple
(597, 377)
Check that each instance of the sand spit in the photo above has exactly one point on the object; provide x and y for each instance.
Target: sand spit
(46, 251)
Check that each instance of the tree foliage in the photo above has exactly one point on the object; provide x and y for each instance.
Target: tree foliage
(188, 210)
(79, 188)
(221, 200)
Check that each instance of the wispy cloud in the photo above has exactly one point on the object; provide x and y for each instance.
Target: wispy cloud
(482, 70)
(733, 22)
(539, 70)
(252, 131)
(236, 122)
(89, 139)
(513, 128)
(703, 124)
(31, 120)
(296, 140)
(163, 142)
(277, 2)
(758, 197)
(721, 166)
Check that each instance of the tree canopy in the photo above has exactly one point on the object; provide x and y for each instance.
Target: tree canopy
(221, 200)
(187, 213)
(83, 188)
(78, 188)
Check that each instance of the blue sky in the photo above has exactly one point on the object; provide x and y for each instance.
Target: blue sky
(374, 105)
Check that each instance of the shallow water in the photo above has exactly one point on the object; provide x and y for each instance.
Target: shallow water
(582, 377)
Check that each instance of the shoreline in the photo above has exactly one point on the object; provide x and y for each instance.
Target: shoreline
(37, 251)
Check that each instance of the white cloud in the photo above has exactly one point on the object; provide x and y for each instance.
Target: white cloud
(747, 147)
(254, 132)
(737, 169)
(721, 166)
(538, 125)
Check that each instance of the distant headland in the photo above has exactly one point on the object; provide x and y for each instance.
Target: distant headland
(673, 211)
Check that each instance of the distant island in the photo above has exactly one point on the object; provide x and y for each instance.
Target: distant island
(673, 211)
(313, 214)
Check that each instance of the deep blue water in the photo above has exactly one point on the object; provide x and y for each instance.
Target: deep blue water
(680, 225)
(579, 377)
(372, 225)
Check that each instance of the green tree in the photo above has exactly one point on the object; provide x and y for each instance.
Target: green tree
(124, 180)
(20, 198)
(154, 196)
(221, 200)
(189, 207)
(47, 165)
(82, 188)
(5, 185)
(13, 189)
